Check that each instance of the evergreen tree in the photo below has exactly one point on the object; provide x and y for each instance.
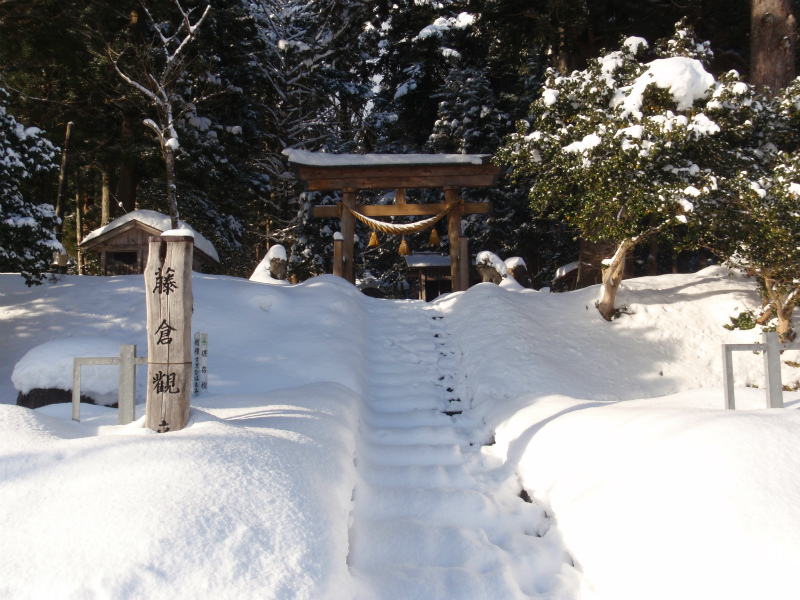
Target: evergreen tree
(27, 228)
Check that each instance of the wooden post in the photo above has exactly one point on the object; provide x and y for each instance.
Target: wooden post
(348, 233)
(454, 233)
(168, 281)
(338, 243)
(400, 196)
(464, 262)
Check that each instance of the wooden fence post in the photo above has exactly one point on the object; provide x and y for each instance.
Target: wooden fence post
(338, 254)
(168, 281)
(464, 262)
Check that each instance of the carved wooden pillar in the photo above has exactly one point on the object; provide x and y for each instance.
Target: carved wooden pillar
(168, 277)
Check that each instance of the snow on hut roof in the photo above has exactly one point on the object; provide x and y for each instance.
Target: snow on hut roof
(158, 221)
(426, 259)
(325, 159)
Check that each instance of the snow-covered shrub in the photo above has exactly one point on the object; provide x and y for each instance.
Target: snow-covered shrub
(27, 237)
(623, 150)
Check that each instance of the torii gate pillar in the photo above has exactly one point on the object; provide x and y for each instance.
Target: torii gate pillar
(348, 271)
(459, 255)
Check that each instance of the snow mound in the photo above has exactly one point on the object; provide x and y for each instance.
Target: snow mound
(676, 475)
(49, 365)
(161, 222)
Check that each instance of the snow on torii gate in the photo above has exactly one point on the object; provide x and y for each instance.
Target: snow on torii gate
(349, 173)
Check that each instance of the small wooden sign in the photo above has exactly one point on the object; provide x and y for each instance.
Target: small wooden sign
(200, 352)
(168, 281)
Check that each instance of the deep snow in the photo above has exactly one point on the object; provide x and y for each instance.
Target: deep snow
(321, 464)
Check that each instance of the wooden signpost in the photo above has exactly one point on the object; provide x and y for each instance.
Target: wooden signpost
(168, 281)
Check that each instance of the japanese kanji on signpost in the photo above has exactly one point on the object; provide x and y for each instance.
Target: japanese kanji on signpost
(168, 279)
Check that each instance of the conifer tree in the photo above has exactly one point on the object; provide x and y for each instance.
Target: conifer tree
(27, 228)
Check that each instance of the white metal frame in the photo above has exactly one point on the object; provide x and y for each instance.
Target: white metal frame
(127, 361)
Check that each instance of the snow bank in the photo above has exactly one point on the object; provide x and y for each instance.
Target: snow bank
(670, 497)
(658, 491)
(557, 344)
(250, 500)
(161, 222)
(260, 337)
(49, 365)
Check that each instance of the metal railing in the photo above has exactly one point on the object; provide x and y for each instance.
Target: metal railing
(771, 349)
(127, 361)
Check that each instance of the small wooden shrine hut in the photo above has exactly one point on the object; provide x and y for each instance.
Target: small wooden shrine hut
(350, 173)
(429, 275)
(124, 243)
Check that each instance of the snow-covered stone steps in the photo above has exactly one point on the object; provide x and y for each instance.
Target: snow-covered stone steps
(409, 418)
(393, 404)
(438, 583)
(411, 454)
(449, 477)
(405, 542)
(438, 507)
(416, 435)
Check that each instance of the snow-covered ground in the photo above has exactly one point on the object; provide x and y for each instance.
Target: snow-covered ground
(321, 464)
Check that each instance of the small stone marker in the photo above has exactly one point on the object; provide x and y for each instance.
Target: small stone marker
(200, 351)
(168, 281)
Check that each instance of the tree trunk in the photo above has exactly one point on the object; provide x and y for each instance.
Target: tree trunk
(782, 306)
(126, 183)
(79, 220)
(172, 198)
(785, 329)
(105, 203)
(612, 277)
(62, 183)
(772, 40)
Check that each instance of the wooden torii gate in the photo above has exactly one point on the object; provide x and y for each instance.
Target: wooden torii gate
(349, 173)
